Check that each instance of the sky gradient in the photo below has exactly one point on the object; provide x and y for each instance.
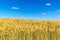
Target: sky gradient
(30, 9)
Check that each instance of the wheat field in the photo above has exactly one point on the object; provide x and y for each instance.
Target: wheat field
(19, 29)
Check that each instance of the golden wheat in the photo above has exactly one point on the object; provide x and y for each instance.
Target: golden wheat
(18, 29)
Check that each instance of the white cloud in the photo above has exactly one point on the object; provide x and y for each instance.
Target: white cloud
(43, 13)
(15, 8)
(48, 4)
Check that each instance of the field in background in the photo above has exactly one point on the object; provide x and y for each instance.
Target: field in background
(19, 29)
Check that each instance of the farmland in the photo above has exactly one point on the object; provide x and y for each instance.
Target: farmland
(19, 29)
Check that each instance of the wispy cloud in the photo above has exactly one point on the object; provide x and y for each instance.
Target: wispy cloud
(48, 4)
(43, 13)
(16, 8)
(58, 10)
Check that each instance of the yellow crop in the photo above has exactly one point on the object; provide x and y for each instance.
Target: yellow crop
(19, 29)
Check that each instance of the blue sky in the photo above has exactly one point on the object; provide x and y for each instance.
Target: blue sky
(30, 9)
